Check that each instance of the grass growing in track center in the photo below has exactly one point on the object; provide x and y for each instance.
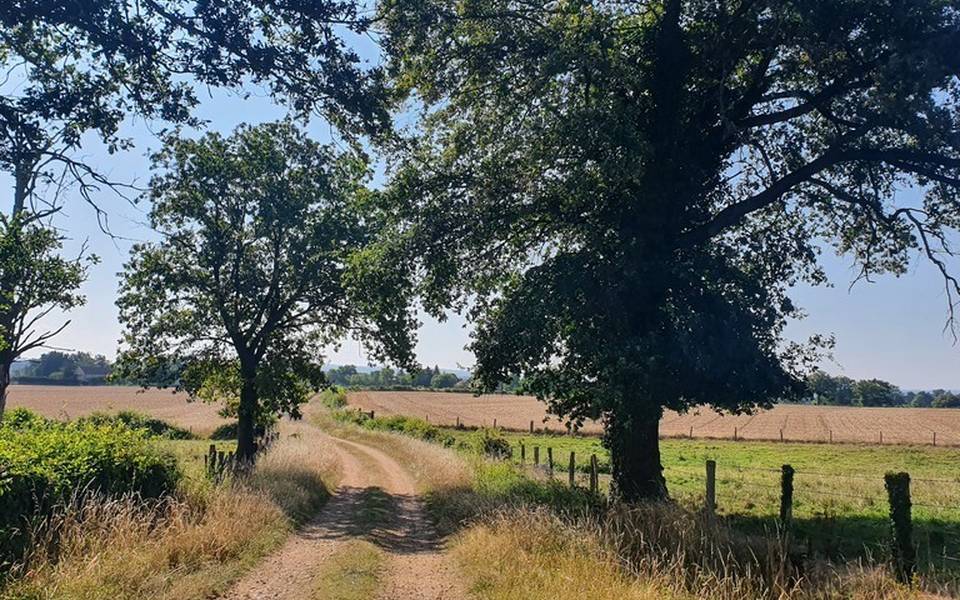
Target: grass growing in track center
(353, 573)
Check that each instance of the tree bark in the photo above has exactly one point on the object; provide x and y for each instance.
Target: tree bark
(247, 416)
(4, 384)
(634, 442)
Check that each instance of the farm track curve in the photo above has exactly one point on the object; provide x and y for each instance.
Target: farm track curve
(416, 566)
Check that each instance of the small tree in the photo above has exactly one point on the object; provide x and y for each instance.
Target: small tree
(876, 392)
(34, 281)
(252, 279)
(442, 381)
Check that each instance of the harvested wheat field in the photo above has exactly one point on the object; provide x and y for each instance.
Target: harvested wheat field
(67, 402)
(796, 423)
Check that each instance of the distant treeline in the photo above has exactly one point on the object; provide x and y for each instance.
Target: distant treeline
(387, 378)
(60, 368)
(842, 391)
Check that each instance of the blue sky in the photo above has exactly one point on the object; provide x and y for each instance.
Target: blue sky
(892, 329)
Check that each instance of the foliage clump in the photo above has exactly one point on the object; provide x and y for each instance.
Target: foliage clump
(490, 443)
(133, 420)
(45, 463)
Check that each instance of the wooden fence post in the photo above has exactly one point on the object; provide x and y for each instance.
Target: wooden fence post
(934, 438)
(830, 431)
(458, 422)
(523, 454)
(372, 414)
(550, 460)
(904, 553)
(881, 436)
(781, 435)
(734, 434)
(494, 423)
(710, 500)
(531, 426)
(536, 456)
(691, 432)
(573, 468)
(594, 476)
(786, 497)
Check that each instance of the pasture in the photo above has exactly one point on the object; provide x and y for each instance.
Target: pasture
(790, 422)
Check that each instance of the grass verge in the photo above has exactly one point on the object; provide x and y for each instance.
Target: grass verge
(189, 545)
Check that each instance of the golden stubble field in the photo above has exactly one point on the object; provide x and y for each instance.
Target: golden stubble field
(67, 402)
(797, 423)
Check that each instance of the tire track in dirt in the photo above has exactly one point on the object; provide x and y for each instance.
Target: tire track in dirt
(416, 566)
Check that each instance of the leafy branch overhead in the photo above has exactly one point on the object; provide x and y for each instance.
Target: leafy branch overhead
(83, 67)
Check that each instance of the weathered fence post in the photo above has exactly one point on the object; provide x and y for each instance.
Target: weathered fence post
(458, 422)
(830, 431)
(781, 435)
(550, 460)
(594, 476)
(691, 432)
(881, 436)
(536, 456)
(531, 426)
(934, 438)
(786, 498)
(573, 469)
(734, 434)
(372, 414)
(710, 500)
(904, 553)
(523, 454)
(494, 423)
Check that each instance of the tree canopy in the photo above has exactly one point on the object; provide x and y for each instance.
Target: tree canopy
(256, 274)
(34, 281)
(627, 191)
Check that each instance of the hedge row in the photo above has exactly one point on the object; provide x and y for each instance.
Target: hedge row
(44, 463)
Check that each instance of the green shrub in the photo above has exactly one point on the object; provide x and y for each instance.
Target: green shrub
(227, 431)
(50, 463)
(490, 443)
(134, 420)
(334, 397)
(412, 426)
(20, 418)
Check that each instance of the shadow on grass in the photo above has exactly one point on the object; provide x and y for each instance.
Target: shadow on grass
(851, 537)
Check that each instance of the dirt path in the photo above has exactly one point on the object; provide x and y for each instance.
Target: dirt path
(416, 566)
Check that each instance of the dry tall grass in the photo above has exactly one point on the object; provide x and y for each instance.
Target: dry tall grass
(712, 562)
(190, 546)
(532, 554)
(652, 552)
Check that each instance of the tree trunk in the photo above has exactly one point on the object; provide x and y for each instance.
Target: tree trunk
(246, 417)
(634, 443)
(4, 384)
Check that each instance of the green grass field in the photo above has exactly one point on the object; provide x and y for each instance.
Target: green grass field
(840, 503)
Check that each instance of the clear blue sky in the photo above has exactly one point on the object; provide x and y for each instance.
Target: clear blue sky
(891, 329)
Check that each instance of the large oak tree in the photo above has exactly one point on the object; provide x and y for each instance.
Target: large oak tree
(625, 191)
(262, 266)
